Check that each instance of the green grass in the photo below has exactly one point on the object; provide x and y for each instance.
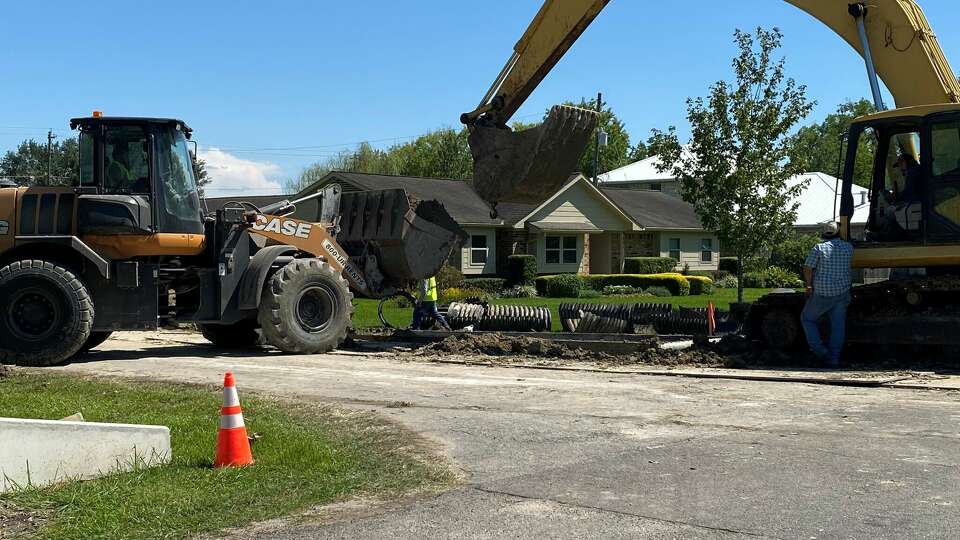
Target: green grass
(365, 312)
(308, 455)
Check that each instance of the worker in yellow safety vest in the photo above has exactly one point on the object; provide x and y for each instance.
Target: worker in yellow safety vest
(427, 305)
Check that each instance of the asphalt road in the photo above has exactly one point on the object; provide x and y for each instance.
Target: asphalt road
(579, 454)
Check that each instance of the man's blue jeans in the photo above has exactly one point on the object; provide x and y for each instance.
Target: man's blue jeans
(836, 308)
(427, 308)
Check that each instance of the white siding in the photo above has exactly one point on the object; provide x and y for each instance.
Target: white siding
(690, 243)
(580, 205)
(466, 261)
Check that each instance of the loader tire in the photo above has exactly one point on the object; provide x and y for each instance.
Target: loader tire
(46, 313)
(306, 308)
(239, 335)
(95, 340)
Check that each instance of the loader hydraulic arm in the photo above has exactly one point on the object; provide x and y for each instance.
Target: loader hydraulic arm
(312, 238)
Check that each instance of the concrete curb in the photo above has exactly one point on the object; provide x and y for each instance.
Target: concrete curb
(43, 452)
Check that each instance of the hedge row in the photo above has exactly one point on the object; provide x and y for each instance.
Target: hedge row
(648, 265)
(677, 284)
(490, 285)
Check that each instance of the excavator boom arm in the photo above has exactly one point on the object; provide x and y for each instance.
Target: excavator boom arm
(905, 51)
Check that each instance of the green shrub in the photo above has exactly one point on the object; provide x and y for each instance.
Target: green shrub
(726, 282)
(648, 265)
(490, 285)
(449, 277)
(792, 252)
(754, 280)
(720, 274)
(677, 284)
(590, 293)
(728, 264)
(459, 294)
(782, 278)
(521, 269)
(520, 291)
(657, 290)
(622, 290)
(702, 273)
(700, 285)
(565, 286)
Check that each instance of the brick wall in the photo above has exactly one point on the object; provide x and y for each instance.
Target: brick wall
(510, 242)
(635, 244)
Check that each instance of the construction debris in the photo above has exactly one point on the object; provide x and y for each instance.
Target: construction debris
(520, 347)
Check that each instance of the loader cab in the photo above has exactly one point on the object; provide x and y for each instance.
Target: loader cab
(909, 160)
(136, 178)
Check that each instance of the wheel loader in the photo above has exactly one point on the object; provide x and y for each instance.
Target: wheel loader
(914, 218)
(130, 248)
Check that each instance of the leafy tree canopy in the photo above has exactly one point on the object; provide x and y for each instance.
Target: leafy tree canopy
(735, 173)
(817, 146)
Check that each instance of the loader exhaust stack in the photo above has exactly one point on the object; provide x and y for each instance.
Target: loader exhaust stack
(528, 166)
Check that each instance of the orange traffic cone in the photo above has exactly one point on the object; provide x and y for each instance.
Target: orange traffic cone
(233, 447)
(711, 319)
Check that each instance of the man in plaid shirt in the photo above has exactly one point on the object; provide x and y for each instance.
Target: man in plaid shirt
(826, 274)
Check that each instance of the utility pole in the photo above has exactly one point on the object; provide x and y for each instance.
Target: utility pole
(596, 143)
(50, 138)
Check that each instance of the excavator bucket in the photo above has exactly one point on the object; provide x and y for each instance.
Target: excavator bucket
(411, 239)
(528, 166)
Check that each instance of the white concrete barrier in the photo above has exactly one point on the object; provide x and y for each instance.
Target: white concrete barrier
(42, 452)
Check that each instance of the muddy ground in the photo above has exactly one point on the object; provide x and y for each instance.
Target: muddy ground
(729, 352)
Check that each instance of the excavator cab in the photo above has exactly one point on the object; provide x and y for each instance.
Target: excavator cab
(910, 161)
(137, 191)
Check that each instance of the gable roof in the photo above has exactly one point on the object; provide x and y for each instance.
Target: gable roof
(461, 202)
(819, 200)
(579, 179)
(643, 171)
(655, 210)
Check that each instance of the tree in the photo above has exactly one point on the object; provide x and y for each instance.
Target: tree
(443, 153)
(28, 164)
(817, 147)
(200, 173)
(735, 173)
(617, 151)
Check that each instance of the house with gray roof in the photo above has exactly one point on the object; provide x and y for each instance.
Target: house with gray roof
(579, 229)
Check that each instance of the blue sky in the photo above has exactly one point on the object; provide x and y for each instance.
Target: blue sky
(256, 79)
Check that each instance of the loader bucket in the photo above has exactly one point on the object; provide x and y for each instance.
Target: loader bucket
(528, 166)
(412, 239)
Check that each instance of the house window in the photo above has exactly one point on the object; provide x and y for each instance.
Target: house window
(561, 248)
(706, 250)
(656, 187)
(478, 249)
(674, 248)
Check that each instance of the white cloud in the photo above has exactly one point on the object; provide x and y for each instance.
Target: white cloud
(235, 177)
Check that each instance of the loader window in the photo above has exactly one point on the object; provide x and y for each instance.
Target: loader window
(180, 202)
(86, 160)
(127, 163)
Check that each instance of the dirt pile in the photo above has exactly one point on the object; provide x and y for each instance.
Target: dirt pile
(496, 346)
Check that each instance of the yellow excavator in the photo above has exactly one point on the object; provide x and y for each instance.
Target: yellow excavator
(914, 149)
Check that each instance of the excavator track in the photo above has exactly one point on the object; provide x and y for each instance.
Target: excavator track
(915, 311)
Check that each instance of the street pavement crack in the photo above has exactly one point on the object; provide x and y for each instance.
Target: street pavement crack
(620, 512)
